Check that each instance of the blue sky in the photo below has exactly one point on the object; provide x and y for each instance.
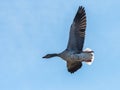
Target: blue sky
(29, 29)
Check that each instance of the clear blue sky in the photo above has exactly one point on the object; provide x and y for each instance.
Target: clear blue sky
(29, 29)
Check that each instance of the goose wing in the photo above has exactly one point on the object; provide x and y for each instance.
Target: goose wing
(77, 31)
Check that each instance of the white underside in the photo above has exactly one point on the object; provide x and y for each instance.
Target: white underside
(87, 57)
(92, 56)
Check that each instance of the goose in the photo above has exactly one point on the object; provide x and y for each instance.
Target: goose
(74, 54)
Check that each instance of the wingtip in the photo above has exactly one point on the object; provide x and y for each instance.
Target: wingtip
(80, 15)
(81, 7)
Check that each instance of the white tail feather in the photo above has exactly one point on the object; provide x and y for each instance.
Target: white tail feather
(92, 58)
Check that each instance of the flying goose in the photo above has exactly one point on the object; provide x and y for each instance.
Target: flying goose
(74, 54)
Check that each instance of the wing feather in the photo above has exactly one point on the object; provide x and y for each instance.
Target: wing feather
(77, 31)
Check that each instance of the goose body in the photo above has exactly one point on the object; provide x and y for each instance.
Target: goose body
(87, 55)
(74, 54)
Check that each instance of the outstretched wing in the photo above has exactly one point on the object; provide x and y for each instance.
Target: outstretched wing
(77, 31)
(73, 66)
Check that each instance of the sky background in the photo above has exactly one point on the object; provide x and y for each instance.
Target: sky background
(29, 29)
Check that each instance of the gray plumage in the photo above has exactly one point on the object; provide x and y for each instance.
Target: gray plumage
(77, 31)
(74, 55)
